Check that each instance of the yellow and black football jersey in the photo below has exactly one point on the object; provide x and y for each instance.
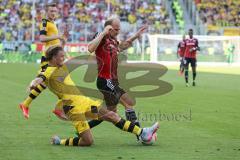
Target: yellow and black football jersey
(48, 28)
(59, 81)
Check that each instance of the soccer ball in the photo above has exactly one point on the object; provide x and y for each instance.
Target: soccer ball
(151, 141)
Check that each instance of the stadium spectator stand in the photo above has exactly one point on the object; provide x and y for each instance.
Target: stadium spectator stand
(83, 17)
(219, 13)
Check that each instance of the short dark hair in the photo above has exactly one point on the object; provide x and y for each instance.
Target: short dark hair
(50, 5)
(52, 51)
(108, 22)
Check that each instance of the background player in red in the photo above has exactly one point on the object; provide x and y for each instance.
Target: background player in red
(106, 47)
(191, 47)
(180, 54)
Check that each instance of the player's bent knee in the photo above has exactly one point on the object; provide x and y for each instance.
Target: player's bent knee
(132, 103)
(86, 142)
(112, 108)
(89, 142)
(114, 117)
(111, 116)
(127, 101)
(86, 138)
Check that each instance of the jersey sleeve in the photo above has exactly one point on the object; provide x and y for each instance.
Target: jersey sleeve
(43, 27)
(42, 75)
(46, 74)
(95, 35)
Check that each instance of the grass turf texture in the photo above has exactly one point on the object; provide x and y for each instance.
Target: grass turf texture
(212, 133)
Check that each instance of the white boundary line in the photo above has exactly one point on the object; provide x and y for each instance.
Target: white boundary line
(207, 64)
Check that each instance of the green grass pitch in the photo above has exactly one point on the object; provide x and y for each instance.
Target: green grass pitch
(207, 127)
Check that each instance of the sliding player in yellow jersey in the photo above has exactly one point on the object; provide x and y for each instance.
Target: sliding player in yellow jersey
(77, 108)
(49, 36)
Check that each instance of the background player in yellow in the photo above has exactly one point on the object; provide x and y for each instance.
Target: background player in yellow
(78, 108)
(49, 36)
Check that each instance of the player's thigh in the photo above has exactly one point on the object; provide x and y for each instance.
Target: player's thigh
(76, 114)
(186, 63)
(92, 108)
(127, 101)
(182, 61)
(193, 64)
(110, 100)
(110, 94)
(81, 126)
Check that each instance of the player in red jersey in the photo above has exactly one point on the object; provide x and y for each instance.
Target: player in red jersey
(180, 54)
(191, 48)
(106, 47)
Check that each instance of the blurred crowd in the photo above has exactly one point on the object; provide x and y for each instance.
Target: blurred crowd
(219, 13)
(82, 17)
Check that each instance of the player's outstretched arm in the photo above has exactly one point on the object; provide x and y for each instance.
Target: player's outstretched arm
(44, 38)
(92, 46)
(126, 44)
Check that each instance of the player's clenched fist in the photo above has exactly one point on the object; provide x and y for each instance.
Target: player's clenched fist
(141, 31)
(107, 29)
(34, 83)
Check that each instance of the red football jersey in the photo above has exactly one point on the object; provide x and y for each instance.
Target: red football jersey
(107, 58)
(191, 44)
(181, 48)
